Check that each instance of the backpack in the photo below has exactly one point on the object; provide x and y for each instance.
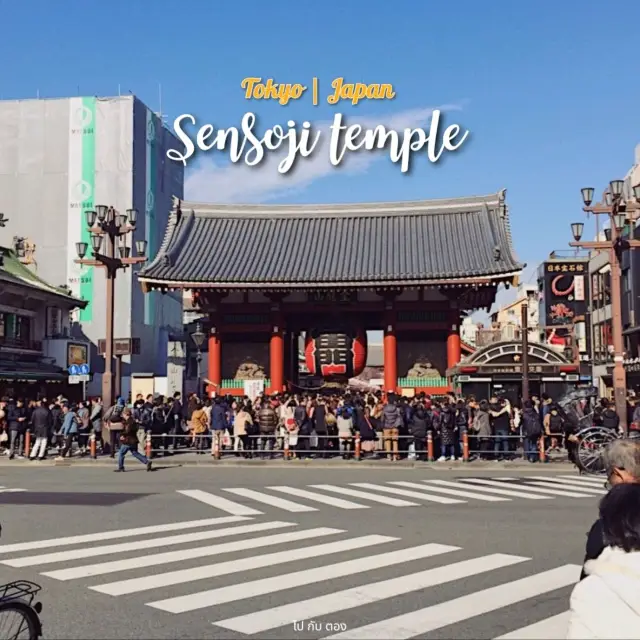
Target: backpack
(300, 415)
(114, 414)
(531, 425)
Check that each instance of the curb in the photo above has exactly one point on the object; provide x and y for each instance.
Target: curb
(298, 464)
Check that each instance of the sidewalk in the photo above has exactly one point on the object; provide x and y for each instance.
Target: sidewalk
(195, 460)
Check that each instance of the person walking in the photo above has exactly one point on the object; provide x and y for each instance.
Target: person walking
(129, 442)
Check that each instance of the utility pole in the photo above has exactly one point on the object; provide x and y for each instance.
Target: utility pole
(524, 324)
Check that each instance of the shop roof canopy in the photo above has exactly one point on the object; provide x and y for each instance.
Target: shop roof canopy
(424, 243)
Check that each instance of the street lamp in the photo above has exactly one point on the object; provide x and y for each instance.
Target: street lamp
(198, 338)
(619, 211)
(107, 226)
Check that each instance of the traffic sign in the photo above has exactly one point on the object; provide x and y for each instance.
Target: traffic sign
(74, 370)
(84, 369)
(77, 379)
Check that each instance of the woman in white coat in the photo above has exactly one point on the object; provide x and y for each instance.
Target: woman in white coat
(606, 604)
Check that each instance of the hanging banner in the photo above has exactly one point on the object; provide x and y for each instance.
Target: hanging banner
(81, 189)
(253, 388)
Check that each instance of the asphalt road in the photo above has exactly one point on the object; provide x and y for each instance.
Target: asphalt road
(409, 567)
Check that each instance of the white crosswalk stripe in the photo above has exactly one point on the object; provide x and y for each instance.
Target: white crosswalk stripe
(442, 615)
(186, 538)
(272, 501)
(168, 557)
(598, 480)
(316, 497)
(564, 490)
(452, 492)
(365, 495)
(243, 590)
(555, 627)
(221, 503)
(570, 484)
(7, 490)
(247, 547)
(420, 495)
(397, 493)
(526, 487)
(116, 535)
(367, 594)
(512, 493)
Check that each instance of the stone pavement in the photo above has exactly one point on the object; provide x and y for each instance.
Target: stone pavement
(161, 555)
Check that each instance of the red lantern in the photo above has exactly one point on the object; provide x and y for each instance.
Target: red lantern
(336, 355)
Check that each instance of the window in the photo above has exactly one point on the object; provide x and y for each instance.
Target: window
(15, 328)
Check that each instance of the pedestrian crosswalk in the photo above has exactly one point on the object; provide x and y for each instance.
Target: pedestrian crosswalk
(9, 490)
(323, 574)
(397, 493)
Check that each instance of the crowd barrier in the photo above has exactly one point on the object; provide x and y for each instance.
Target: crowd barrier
(468, 446)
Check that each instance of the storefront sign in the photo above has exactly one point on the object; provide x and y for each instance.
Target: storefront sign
(121, 346)
(54, 321)
(77, 354)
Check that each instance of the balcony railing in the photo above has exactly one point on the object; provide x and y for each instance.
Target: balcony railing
(17, 343)
(506, 333)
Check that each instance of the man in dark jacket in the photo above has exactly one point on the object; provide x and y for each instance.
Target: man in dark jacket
(622, 463)
(42, 425)
(16, 418)
(268, 423)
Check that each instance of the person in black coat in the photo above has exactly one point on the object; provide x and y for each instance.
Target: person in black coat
(42, 425)
(622, 463)
(418, 427)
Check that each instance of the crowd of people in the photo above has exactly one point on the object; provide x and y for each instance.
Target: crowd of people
(306, 425)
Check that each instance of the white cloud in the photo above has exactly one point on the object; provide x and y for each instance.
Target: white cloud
(212, 181)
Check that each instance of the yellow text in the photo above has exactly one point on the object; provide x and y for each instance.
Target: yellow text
(359, 91)
(255, 89)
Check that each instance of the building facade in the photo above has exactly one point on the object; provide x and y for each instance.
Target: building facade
(60, 158)
(263, 275)
(36, 346)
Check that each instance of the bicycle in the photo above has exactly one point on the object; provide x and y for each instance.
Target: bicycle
(19, 616)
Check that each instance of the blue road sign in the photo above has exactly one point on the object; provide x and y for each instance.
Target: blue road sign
(84, 369)
(74, 370)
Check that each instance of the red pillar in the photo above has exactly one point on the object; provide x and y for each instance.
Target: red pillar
(390, 349)
(215, 363)
(454, 353)
(276, 356)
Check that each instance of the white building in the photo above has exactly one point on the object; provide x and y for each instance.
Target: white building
(61, 157)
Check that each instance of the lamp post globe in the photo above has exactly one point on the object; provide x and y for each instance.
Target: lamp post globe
(577, 229)
(587, 195)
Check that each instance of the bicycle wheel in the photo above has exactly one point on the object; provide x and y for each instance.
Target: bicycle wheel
(18, 621)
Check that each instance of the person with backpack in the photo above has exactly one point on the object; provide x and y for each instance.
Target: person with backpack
(303, 425)
(610, 419)
(418, 426)
(391, 422)
(113, 421)
(448, 432)
(531, 432)
(345, 428)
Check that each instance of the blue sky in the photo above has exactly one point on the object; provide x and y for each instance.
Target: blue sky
(549, 90)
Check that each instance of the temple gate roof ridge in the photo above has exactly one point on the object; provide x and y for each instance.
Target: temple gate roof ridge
(447, 242)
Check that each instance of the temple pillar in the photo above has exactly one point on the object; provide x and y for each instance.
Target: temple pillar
(454, 350)
(214, 359)
(390, 353)
(276, 354)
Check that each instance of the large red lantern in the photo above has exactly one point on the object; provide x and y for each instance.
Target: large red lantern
(336, 355)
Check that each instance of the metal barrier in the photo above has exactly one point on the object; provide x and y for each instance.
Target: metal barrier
(468, 446)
